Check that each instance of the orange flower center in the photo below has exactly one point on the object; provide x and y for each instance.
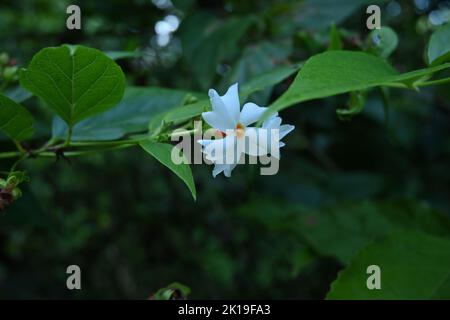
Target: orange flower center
(240, 130)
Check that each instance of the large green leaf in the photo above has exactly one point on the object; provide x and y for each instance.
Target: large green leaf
(162, 152)
(256, 84)
(257, 60)
(207, 41)
(268, 79)
(412, 266)
(131, 115)
(341, 231)
(336, 72)
(188, 111)
(439, 46)
(15, 120)
(75, 81)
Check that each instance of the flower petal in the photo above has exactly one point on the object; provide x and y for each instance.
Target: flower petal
(225, 108)
(285, 129)
(218, 168)
(222, 151)
(217, 120)
(256, 141)
(228, 169)
(272, 122)
(231, 102)
(251, 113)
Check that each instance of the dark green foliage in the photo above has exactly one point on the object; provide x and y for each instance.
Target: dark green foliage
(347, 193)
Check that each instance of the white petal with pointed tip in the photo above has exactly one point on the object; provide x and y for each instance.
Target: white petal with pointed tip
(251, 113)
(222, 109)
(231, 100)
(285, 129)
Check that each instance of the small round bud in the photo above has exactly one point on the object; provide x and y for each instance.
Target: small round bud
(3, 183)
(16, 193)
(10, 73)
(4, 58)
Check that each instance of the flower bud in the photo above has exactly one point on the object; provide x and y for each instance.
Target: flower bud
(3, 183)
(10, 73)
(16, 193)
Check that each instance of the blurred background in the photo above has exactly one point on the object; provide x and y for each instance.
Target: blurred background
(133, 227)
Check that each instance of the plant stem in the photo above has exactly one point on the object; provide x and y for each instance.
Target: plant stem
(19, 147)
(69, 136)
(433, 82)
(9, 154)
(394, 85)
(23, 157)
(49, 149)
(184, 133)
(106, 143)
(48, 154)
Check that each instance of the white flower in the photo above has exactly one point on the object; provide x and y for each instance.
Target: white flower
(237, 138)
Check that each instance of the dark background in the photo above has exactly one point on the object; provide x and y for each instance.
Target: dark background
(133, 227)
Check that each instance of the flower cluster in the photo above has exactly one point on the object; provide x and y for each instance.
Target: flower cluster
(235, 137)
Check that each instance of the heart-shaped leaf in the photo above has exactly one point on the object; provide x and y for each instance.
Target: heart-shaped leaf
(75, 81)
(15, 120)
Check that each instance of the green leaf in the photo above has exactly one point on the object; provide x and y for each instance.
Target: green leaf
(382, 42)
(162, 152)
(412, 265)
(335, 42)
(188, 111)
(341, 231)
(207, 41)
(15, 120)
(131, 115)
(268, 79)
(320, 14)
(257, 60)
(173, 291)
(256, 84)
(75, 81)
(439, 46)
(335, 72)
